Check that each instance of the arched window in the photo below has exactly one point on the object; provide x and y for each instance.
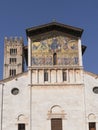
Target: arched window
(56, 115)
(92, 125)
(21, 121)
(13, 51)
(12, 72)
(54, 59)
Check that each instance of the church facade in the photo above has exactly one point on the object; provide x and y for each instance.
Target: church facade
(55, 93)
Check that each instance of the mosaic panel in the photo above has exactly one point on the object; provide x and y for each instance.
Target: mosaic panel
(66, 49)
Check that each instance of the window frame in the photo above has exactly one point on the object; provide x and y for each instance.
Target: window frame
(92, 125)
(64, 75)
(46, 76)
(56, 124)
(21, 126)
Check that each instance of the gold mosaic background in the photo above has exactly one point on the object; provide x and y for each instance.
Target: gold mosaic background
(66, 49)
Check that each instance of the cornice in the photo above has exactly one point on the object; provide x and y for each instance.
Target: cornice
(56, 84)
(56, 67)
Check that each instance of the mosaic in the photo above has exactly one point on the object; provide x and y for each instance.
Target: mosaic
(66, 49)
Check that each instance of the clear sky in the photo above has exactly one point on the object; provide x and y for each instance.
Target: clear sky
(17, 15)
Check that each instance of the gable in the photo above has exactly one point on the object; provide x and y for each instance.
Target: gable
(54, 43)
(54, 26)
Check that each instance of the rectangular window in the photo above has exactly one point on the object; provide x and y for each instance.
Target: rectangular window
(21, 126)
(64, 76)
(56, 124)
(45, 75)
(92, 126)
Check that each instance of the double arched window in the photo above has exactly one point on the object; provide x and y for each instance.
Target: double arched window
(12, 72)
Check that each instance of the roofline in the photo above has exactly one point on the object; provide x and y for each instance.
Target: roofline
(53, 26)
(83, 48)
(24, 73)
(91, 74)
(13, 77)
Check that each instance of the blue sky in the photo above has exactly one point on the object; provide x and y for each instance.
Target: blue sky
(17, 15)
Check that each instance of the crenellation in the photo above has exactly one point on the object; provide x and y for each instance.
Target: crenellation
(13, 40)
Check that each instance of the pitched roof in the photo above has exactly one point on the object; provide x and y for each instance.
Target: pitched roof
(54, 26)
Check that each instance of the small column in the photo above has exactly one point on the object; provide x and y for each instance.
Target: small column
(96, 125)
(75, 75)
(56, 75)
(36, 71)
(30, 78)
(29, 60)
(50, 75)
(80, 52)
(62, 75)
(68, 75)
(29, 52)
(37, 76)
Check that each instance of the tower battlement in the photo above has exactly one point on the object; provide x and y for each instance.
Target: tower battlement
(13, 40)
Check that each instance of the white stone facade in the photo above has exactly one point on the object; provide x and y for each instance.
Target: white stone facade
(36, 105)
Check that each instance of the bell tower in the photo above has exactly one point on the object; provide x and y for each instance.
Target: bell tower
(13, 56)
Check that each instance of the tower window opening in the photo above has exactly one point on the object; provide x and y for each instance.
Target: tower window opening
(13, 60)
(54, 59)
(13, 51)
(12, 72)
